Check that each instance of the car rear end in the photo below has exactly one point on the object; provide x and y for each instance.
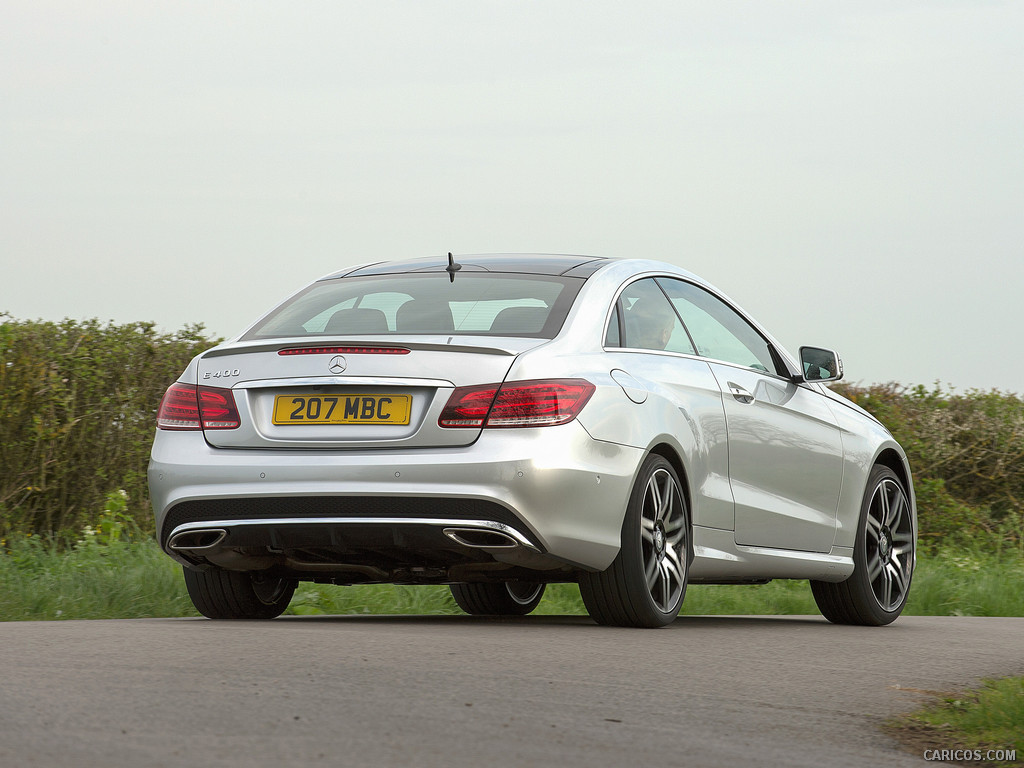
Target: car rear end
(372, 429)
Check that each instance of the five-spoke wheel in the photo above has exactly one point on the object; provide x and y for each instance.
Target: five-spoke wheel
(646, 584)
(663, 540)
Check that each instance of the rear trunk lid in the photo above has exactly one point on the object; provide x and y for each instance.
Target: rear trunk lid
(358, 393)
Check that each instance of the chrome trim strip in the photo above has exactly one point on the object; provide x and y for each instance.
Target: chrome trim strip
(487, 525)
(342, 381)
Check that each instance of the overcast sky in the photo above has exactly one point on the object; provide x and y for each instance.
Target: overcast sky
(851, 173)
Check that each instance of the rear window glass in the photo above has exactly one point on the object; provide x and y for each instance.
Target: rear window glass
(485, 304)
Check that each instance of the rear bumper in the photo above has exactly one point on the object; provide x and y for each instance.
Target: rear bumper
(556, 489)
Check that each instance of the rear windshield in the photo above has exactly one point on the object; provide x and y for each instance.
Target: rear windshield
(483, 304)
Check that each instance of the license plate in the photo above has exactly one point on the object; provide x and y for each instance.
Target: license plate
(342, 409)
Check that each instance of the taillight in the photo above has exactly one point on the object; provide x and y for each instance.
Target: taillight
(468, 406)
(536, 403)
(218, 408)
(186, 406)
(179, 409)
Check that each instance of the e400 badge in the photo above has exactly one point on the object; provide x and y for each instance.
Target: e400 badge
(222, 374)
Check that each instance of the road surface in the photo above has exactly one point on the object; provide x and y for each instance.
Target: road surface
(463, 691)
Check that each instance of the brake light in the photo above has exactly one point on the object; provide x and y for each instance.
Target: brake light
(468, 406)
(218, 408)
(344, 351)
(179, 408)
(188, 407)
(535, 403)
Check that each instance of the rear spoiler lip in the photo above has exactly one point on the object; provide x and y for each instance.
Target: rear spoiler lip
(469, 344)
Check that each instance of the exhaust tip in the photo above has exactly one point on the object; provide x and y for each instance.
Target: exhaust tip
(480, 538)
(197, 540)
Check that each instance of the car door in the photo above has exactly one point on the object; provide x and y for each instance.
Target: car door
(785, 447)
(652, 355)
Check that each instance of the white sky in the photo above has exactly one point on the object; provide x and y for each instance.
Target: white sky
(852, 173)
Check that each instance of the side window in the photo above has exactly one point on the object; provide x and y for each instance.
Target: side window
(717, 329)
(612, 337)
(649, 321)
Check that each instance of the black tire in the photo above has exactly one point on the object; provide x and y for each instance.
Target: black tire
(220, 594)
(646, 583)
(883, 558)
(510, 598)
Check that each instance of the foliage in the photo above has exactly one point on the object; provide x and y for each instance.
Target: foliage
(967, 582)
(78, 402)
(122, 573)
(78, 405)
(111, 571)
(967, 454)
(990, 718)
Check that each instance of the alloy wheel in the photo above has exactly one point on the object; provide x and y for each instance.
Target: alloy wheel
(663, 540)
(889, 544)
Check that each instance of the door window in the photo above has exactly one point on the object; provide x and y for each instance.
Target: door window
(648, 321)
(718, 331)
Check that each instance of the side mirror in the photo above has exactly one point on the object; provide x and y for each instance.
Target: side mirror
(820, 364)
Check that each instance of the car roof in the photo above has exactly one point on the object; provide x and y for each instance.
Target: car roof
(519, 263)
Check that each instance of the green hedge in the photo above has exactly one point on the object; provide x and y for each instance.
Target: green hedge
(78, 403)
(966, 451)
(78, 406)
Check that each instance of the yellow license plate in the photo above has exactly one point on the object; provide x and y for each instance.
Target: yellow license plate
(342, 409)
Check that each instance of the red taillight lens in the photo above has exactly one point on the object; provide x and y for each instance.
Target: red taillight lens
(218, 408)
(468, 406)
(179, 408)
(186, 406)
(537, 403)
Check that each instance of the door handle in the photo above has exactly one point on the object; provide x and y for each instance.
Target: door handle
(740, 393)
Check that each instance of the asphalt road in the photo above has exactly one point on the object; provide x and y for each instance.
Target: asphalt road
(459, 691)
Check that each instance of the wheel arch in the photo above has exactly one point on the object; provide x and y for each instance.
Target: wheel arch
(624, 594)
(672, 456)
(891, 459)
(894, 460)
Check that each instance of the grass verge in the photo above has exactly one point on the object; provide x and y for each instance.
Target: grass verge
(108, 576)
(92, 581)
(979, 727)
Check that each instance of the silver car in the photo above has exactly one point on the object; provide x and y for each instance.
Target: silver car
(497, 423)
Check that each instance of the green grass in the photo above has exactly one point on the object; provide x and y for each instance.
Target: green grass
(989, 718)
(92, 581)
(105, 576)
(328, 599)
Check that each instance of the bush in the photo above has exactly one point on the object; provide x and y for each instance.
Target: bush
(78, 406)
(967, 455)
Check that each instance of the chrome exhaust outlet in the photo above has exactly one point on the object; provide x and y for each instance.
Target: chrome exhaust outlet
(480, 538)
(197, 540)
